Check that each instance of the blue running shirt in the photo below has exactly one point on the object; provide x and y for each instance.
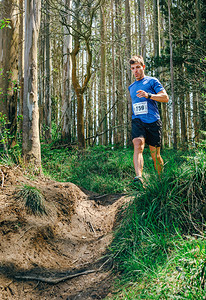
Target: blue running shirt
(145, 109)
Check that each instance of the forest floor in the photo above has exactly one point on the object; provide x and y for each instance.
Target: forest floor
(60, 255)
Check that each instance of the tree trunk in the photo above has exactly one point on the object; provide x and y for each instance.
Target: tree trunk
(21, 60)
(47, 82)
(182, 114)
(31, 141)
(136, 40)
(89, 115)
(9, 63)
(103, 96)
(95, 104)
(200, 39)
(66, 96)
(80, 90)
(165, 119)
(198, 19)
(156, 29)
(41, 72)
(110, 107)
(172, 82)
(188, 117)
(113, 131)
(128, 48)
(80, 120)
(142, 28)
(80, 36)
(196, 117)
(183, 122)
(119, 138)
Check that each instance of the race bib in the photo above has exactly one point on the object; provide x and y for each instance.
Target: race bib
(140, 108)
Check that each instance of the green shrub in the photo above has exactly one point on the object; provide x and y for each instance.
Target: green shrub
(33, 199)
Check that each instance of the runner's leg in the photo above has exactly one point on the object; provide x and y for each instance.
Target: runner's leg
(157, 159)
(138, 161)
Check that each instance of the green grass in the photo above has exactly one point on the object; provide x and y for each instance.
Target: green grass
(32, 198)
(180, 276)
(99, 169)
(154, 248)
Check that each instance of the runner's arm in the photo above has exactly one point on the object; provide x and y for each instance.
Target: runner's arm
(160, 97)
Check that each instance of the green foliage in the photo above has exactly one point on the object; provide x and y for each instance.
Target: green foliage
(5, 23)
(15, 154)
(7, 133)
(6, 160)
(33, 199)
(99, 169)
(180, 276)
(4, 131)
(11, 154)
(147, 246)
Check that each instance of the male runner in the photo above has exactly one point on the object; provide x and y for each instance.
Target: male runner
(146, 123)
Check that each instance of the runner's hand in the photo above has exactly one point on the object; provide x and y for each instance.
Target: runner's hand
(141, 94)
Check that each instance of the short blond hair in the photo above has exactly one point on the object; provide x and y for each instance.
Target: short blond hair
(137, 59)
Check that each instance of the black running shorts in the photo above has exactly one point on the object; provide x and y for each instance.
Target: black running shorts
(150, 131)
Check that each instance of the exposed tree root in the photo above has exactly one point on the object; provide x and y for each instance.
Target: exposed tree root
(52, 280)
(56, 280)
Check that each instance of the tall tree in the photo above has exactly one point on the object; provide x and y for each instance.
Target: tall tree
(128, 71)
(156, 29)
(196, 116)
(142, 28)
(89, 110)
(113, 122)
(182, 112)
(9, 64)
(188, 117)
(119, 137)
(103, 94)
(21, 58)
(81, 30)
(67, 67)
(172, 80)
(41, 71)
(31, 141)
(200, 38)
(48, 74)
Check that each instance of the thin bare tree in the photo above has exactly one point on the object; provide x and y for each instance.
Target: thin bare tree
(31, 141)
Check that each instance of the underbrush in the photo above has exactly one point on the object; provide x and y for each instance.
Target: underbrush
(99, 169)
(159, 248)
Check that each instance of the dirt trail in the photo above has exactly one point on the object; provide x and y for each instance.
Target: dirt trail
(71, 239)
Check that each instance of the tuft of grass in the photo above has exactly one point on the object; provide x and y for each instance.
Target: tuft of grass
(33, 199)
(6, 160)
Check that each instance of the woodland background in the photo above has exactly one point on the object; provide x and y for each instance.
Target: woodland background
(64, 105)
(80, 69)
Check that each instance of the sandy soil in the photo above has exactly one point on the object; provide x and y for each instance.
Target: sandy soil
(62, 254)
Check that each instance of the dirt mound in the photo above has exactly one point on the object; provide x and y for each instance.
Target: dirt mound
(58, 255)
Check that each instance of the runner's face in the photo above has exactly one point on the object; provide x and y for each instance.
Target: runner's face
(138, 71)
